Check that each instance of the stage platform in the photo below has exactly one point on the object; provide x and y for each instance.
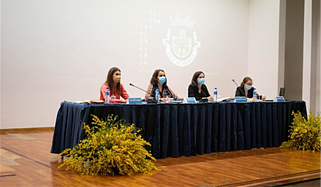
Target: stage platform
(26, 161)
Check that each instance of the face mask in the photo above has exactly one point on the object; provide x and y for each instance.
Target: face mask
(161, 80)
(201, 81)
(116, 79)
(248, 87)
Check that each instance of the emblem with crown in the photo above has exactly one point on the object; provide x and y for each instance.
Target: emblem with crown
(181, 41)
(178, 21)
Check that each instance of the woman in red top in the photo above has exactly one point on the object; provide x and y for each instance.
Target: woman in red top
(115, 87)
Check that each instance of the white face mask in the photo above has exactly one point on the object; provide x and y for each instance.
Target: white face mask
(201, 81)
(248, 87)
(161, 80)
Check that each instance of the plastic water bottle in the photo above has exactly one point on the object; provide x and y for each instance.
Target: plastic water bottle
(157, 94)
(107, 94)
(254, 95)
(215, 94)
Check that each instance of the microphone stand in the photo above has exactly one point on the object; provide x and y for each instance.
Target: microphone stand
(139, 88)
(149, 100)
(169, 93)
(238, 86)
(202, 100)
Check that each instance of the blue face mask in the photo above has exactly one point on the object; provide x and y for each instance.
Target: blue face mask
(248, 87)
(161, 80)
(201, 81)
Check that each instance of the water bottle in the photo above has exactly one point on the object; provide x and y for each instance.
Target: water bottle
(215, 94)
(107, 94)
(254, 95)
(157, 94)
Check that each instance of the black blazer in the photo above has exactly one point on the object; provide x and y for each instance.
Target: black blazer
(193, 92)
(240, 92)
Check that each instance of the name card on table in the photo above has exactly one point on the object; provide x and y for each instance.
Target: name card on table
(240, 99)
(189, 100)
(134, 100)
(279, 99)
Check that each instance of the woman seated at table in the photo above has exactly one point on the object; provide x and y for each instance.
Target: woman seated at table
(116, 88)
(246, 89)
(159, 81)
(198, 89)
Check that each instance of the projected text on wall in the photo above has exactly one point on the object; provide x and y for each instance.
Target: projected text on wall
(148, 20)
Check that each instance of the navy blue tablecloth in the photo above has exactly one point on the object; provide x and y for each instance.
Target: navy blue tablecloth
(176, 130)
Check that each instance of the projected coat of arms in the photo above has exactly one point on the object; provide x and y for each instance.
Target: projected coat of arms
(181, 41)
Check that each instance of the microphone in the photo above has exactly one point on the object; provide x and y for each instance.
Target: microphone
(238, 86)
(235, 82)
(149, 100)
(139, 88)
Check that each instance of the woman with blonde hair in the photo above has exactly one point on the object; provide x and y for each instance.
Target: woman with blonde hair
(246, 89)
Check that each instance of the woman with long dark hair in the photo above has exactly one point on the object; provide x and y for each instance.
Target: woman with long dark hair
(116, 88)
(198, 89)
(159, 81)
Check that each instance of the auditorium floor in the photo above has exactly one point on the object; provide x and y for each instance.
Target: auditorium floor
(26, 161)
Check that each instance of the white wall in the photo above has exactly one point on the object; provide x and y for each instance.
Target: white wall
(263, 50)
(318, 87)
(61, 50)
(0, 71)
(311, 63)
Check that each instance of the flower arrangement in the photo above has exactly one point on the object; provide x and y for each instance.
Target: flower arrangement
(110, 147)
(305, 134)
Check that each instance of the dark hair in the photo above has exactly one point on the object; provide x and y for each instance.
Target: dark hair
(195, 76)
(245, 80)
(154, 79)
(110, 80)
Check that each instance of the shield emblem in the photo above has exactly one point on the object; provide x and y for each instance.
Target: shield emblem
(181, 42)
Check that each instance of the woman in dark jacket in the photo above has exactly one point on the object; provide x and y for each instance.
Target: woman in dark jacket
(197, 88)
(246, 89)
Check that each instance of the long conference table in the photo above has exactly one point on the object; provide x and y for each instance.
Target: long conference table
(177, 129)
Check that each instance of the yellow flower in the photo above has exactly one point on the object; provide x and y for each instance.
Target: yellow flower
(110, 144)
(304, 133)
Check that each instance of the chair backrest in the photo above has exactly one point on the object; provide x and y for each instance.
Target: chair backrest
(282, 91)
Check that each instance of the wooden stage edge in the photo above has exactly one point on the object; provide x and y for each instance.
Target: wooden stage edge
(281, 180)
(33, 129)
(26, 161)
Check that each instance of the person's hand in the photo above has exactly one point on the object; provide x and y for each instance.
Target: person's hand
(166, 100)
(210, 98)
(263, 97)
(124, 101)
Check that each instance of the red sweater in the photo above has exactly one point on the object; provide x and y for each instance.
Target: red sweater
(123, 93)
